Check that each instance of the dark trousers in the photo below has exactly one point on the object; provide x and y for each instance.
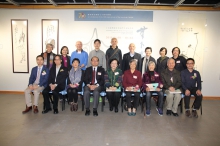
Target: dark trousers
(72, 94)
(113, 98)
(55, 94)
(197, 102)
(135, 101)
(148, 99)
(96, 94)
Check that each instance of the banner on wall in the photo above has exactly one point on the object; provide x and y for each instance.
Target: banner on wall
(191, 37)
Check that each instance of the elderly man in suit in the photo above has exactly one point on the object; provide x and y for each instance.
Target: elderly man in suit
(129, 56)
(57, 83)
(37, 82)
(171, 81)
(94, 81)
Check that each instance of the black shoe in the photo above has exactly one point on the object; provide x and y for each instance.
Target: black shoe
(116, 109)
(169, 112)
(46, 111)
(175, 114)
(111, 108)
(95, 113)
(55, 111)
(87, 113)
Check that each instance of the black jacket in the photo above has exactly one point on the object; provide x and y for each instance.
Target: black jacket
(125, 62)
(161, 65)
(69, 66)
(180, 63)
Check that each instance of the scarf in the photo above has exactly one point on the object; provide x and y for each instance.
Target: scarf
(144, 67)
(51, 59)
(75, 76)
(162, 58)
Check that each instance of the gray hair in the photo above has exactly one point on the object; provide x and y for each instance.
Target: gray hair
(133, 60)
(170, 60)
(151, 62)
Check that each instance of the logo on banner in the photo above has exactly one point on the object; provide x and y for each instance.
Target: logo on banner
(82, 15)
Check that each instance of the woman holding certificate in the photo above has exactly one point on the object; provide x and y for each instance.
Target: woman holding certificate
(113, 78)
(132, 82)
(152, 83)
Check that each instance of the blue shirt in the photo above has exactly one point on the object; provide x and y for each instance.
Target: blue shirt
(191, 79)
(83, 57)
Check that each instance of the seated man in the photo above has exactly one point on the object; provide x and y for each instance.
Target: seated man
(171, 81)
(190, 78)
(57, 82)
(94, 81)
(37, 82)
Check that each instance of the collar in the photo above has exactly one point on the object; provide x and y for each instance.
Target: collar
(132, 55)
(77, 50)
(58, 66)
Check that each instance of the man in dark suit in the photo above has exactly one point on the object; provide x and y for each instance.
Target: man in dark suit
(94, 81)
(37, 82)
(57, 83)
(145, 60)
(131, 55)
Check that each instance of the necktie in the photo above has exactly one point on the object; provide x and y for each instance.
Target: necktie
(38, 77)
(93, 76)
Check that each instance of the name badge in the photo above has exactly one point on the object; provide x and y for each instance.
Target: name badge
(195, 74)
(99, 73)
(135, 77)
(65, 60)
(116, 73)
(156, 75)
(178, 61)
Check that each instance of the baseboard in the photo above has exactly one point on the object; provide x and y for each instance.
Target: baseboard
(22, 92)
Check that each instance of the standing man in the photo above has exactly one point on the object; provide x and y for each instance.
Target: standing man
(180, 61)
(57, 83)
(129, 56)
(81, 55)
(171, 81)
(113, 52)
(191, 83)
(94, 81)
(98, 53)
(145, 60)
(37, 82)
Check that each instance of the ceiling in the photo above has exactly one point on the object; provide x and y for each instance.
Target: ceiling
(175, 3)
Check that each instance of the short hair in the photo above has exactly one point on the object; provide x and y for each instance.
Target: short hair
(163, 48)
(114, 39)
(40, 56)
(175, 48)
(170, 59)
(97, 40)
(57, 56)
(133, 60)
(190, 59)
(76, 59)
(95, 57)
(63, 48)
(113, 59)
(151, 62)
(49, 45)
(148, 48)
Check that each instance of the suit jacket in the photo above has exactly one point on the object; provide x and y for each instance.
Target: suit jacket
(146, 80)
(60, 78)
(68, 62)
(166, 79)
(43, 76)
(99, 76)
(125, 62)
(150, 59)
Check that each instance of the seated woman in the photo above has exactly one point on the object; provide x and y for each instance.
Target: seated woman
(113, 78)
(132, 82)
(150, 77)
(74, 82)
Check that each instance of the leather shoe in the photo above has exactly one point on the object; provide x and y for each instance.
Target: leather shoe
(46, 111)
(169, 112)
(194, 114)
(111, 108)
(55, 111)
(95, 113)
(27, 110)
(87, 113)
(116, 109)
(75, 107)
(71, 107)
(188, 114)
(175, 114)
(35, 110)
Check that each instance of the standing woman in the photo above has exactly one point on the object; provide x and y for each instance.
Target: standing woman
(132, 82)
(48, 56)
(162, 60)
(113, 79)
(74, 82)
(65, 58)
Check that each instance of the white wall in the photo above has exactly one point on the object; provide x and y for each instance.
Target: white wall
(165, 27)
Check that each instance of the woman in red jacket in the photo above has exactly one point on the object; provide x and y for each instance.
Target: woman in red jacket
(132, 82)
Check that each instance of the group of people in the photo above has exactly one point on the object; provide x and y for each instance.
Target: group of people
(113, 73)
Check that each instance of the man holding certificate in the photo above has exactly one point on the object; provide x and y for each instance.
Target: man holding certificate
(152, 83)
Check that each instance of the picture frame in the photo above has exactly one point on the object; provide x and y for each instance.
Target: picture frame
(20, 53)
(50, 34)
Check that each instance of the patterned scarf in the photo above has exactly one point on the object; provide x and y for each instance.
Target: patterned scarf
(45, 59)
(75, 76)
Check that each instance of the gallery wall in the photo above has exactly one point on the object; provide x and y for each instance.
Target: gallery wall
(163, 33)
